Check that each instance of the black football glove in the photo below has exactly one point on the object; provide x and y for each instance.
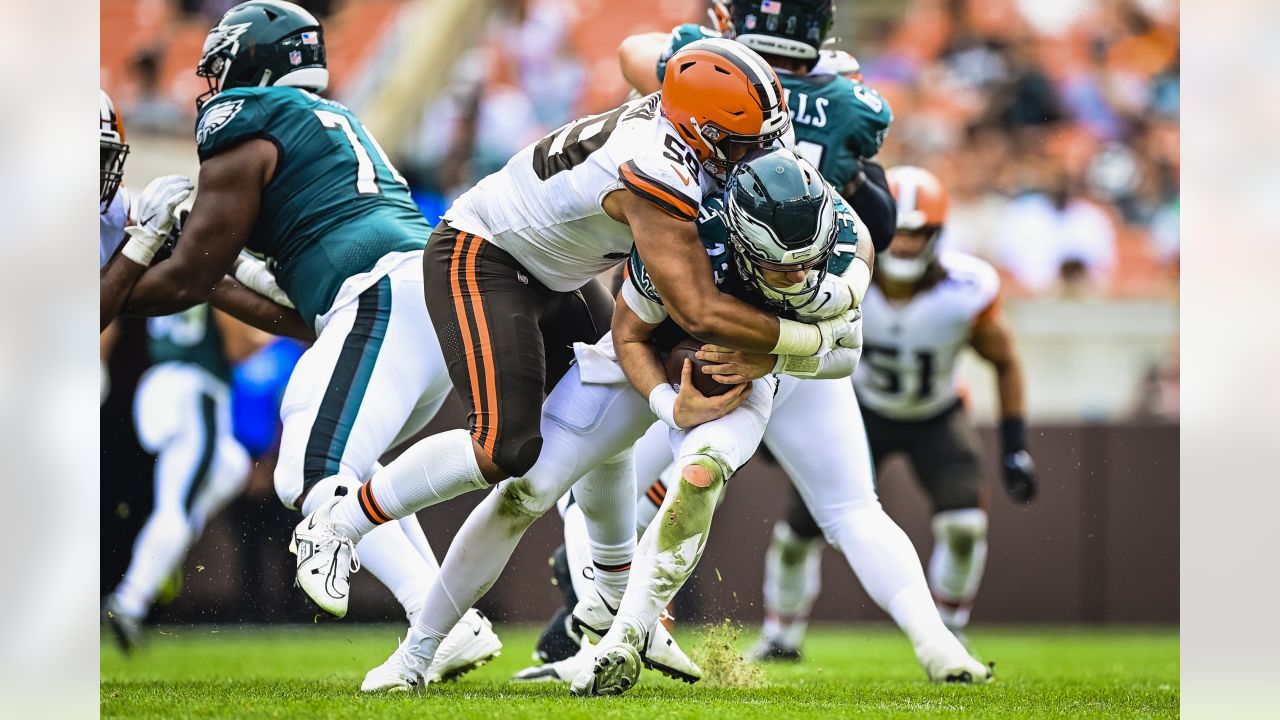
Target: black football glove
(1019, 468)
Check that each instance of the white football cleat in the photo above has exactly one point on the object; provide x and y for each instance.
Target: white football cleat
(592, 617)
(562, 670)
(616, 670)
(958, 667)
(661, 653)
(326, 559)
(470, 644)
(402, 672)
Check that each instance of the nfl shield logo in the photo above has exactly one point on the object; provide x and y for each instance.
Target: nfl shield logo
(772, 7)
(751, 22)
(295, 57)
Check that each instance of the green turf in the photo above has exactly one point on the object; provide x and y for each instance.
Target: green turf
(314, 672)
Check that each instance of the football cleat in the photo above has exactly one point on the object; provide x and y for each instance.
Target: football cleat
(470, 644)
(958, 668)
(126, 628)
(661, 653)
(326, 559)
(769, 650)
(556, 643)
(402, 672)
(562, 670)
(592, 617)
(616, 670)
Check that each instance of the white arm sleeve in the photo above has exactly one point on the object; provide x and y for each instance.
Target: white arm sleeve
(648, 310)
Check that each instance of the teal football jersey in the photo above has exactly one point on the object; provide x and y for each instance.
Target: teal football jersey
(190, 336)
(335, 204)
(714, 233)
(837, 121)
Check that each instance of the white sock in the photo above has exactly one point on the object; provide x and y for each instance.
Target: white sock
(157, 552)
(605, 498)
(666, 556)
(475, 559)
(792, 580)
(577, 548)
(386, 551)
(433, 470)
(886, 564)
(958, 560)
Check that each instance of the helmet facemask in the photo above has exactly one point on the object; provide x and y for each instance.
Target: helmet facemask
(112, 155)
(910, 270)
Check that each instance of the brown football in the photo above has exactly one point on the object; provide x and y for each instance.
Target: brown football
(705, 384)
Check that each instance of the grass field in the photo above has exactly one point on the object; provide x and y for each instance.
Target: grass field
(305, 672)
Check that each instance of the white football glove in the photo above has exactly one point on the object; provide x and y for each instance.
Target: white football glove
(842, 331)
(838, 294)
(155, 217)
(254, 274)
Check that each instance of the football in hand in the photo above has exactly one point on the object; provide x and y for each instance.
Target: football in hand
(704, 383)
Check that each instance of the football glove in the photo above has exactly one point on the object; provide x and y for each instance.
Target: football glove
(1019, 468)
(254, 274)
(156, 206)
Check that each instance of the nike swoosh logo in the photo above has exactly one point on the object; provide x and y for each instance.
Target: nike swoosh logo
(476, 631)
(683, 178)
(330, 586)
(612, 610)
(311, 522)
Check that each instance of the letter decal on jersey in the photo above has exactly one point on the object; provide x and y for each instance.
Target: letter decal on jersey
(820, 106)
(657, 192)
(217, 117)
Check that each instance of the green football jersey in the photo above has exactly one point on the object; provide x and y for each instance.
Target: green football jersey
(837, 121)
(335, 204)
(190, 336)
(714, 233)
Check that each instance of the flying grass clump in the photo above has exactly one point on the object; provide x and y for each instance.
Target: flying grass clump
(722, 663)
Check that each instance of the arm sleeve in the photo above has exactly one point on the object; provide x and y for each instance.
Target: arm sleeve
(640, 293)
(875, 206)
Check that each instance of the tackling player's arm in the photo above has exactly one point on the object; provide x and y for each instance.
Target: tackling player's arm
(678, 266)
(632, 341)
(993, 341)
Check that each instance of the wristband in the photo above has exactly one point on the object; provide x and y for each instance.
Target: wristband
(858, 276)
(1013, 434)
(138, 250)
(798, 365)
(662, 401)
(797, 338)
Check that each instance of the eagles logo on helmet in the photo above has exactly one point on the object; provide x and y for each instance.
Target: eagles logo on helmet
(262, 43)
(781, 217)
(112, 148)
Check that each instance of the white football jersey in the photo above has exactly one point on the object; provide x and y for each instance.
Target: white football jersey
(908, 368)
(545, 207)
(112, 221)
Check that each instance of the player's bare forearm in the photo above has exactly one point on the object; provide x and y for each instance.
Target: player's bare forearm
(115, 281)
(224, 214)
(638, 57)
(993, 341)
(636, 353)
(239, 339)
(259, 312)
(678, 266)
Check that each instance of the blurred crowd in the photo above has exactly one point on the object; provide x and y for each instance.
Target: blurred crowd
(1055, 124)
